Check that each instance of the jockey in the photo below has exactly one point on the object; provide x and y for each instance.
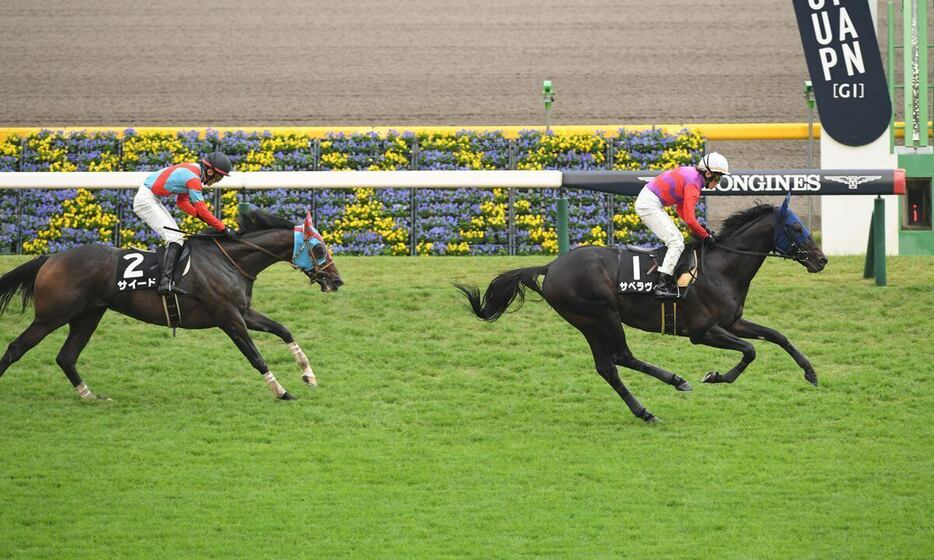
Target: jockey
(185, 181)
(681, 188)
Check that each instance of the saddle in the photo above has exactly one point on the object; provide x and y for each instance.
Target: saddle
(638, 269)
(140, 270)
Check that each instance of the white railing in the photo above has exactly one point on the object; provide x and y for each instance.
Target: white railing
(296, 179)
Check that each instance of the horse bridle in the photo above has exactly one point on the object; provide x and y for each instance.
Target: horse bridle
(316, 274)
(795, 252)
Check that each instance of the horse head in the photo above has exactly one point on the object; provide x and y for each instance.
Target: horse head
(792, 239)
(312, 256)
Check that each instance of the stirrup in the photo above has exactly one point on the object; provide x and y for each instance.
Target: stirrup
(171, 289)
(666, 292)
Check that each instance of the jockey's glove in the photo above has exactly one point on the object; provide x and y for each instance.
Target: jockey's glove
(231, 233)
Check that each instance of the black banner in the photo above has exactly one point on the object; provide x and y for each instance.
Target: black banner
(845, 66)
(758, 182)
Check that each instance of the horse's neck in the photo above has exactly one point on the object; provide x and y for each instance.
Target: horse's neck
(277, 242)
(756, 239)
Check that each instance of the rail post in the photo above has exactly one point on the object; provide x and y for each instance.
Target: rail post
(562, 226)
(875, 247)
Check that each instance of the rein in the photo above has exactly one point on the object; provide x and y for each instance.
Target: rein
(752, 253)
(232, 261)
(216, 240)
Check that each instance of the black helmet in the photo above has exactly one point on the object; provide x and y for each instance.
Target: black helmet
(218, 162)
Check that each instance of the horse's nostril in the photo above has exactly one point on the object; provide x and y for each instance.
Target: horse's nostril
(822, 261)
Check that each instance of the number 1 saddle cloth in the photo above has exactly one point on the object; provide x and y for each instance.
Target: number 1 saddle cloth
(638, 269)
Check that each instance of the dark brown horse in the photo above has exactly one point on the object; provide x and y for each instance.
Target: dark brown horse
(78, 286)
(581, 286)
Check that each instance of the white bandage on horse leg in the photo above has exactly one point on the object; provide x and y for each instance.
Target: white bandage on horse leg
(84, 391)
(308, 376)
(270, 379)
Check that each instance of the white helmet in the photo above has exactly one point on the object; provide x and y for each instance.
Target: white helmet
(715, 163)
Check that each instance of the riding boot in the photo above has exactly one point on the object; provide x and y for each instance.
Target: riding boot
(665, 287)
(168, 270)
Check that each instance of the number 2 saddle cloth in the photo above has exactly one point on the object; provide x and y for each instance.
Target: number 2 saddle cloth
(140, 270)
(638, 269)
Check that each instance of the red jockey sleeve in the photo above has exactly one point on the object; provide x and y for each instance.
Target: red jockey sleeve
(184, 204)
(207, 217)
(686, 211)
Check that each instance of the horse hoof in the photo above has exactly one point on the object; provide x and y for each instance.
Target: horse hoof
(287, 397)
(711, 377)
(652, 420)
(310, 381)
(811, 377)
(685, 387)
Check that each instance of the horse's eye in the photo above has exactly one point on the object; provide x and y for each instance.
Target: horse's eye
(796, 228)
(319, 252)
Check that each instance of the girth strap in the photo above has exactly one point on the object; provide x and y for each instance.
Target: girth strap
(173, 311)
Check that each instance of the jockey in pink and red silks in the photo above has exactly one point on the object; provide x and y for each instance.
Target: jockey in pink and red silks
(680, 187)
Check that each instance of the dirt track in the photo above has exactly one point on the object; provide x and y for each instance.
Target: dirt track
(406, 62)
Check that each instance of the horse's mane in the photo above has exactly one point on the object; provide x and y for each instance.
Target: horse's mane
(254, 219)
(743, 217)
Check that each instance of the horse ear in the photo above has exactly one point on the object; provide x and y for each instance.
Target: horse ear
(786, 202)
(308, 226)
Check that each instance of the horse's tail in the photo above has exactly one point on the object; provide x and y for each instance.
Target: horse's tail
(21, 279)
(503, 290)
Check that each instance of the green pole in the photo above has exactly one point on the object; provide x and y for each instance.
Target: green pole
(890, 70)
(564, 243)
(879, 241)
(923, 70)
(868, 271)
(548, 97)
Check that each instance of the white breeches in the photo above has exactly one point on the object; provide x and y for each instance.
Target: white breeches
(150, 210)
(653, 215)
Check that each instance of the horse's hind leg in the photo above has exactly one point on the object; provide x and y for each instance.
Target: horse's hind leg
(80, 330)
(256, 321)
(718, 337)
(602, 345)
(33, 335)
(623, 357)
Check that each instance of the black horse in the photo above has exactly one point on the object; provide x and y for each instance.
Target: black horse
(78, 286)
(581, 286)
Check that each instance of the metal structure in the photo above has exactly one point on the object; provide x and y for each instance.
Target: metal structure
(915, 154)
(627, 183)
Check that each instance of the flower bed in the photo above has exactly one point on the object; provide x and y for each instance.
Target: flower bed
(353, 221)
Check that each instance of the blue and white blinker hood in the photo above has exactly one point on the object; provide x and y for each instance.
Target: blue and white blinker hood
(785, 241)
(309, 251)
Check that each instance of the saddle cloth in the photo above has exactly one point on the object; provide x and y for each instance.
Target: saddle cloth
(140, 270)
(638, 269)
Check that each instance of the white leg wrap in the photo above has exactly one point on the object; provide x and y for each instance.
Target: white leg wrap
(270, 379)
(84, 391)
(308, 376)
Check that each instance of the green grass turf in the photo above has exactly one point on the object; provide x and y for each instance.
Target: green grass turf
(435, 435)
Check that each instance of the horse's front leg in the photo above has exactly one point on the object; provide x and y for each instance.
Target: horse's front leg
(748, 329)
(718, 337)
(256, 321)
(235, 327)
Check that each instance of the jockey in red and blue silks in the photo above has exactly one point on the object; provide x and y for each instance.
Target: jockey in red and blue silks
(680, 187)
(185, 182)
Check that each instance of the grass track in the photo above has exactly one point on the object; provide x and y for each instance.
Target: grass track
(434, 435)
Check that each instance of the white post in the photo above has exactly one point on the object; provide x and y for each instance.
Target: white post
(845, 219)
